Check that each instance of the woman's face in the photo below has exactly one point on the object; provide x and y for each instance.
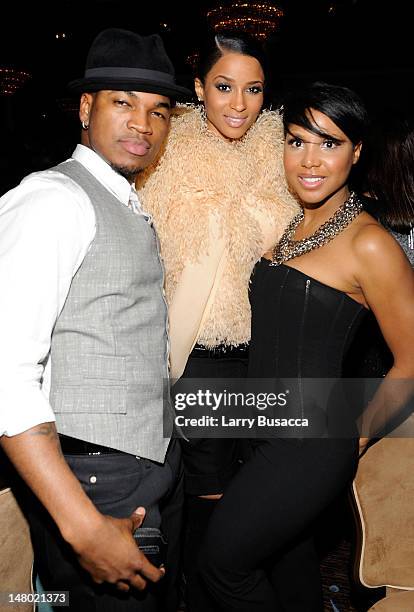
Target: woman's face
(232, 94)
(316, 167)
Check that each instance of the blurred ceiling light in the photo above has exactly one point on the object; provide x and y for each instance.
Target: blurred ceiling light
(11, 80)
(259, 18)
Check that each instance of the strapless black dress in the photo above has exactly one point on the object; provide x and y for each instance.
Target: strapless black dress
(301, 330)
(300, 326)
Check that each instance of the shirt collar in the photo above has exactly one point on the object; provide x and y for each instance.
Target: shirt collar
(102, 171)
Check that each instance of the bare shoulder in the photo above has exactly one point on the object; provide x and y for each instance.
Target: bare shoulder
(377, 254)
(371, 241)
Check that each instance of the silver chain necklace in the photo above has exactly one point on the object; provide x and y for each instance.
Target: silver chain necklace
(287, 248)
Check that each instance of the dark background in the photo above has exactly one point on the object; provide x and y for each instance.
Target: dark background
(365, 44)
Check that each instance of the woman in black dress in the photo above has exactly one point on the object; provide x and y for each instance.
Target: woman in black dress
(333, 264)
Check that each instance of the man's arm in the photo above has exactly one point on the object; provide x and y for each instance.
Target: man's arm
(45, 231)
(103, 544)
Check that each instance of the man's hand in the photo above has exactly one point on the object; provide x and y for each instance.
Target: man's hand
(110, 553)
(104, 545)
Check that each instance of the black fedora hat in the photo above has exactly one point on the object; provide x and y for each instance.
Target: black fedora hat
(126, 61)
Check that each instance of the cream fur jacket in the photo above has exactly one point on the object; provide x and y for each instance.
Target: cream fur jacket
(217, 207)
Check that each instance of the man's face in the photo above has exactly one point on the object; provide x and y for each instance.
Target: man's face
(126, 128)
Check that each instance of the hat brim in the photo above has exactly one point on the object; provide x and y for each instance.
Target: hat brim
(92, 85)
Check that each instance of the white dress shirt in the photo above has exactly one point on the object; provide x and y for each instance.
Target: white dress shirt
(47, 224)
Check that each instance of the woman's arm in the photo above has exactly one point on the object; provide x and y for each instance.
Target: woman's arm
(387, 282)
(193, 297)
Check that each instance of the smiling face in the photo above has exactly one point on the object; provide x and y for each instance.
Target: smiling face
(317, 167)
(233, 94)
(126, 128)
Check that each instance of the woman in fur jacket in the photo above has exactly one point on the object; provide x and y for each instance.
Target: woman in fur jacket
(219, 200)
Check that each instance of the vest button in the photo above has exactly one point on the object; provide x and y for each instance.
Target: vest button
(92, 479)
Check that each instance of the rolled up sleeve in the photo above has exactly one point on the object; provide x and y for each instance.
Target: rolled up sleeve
(46, 227)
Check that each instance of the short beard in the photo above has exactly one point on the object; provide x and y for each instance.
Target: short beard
(128, 173)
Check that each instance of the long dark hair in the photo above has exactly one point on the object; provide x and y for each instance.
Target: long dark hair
(342, 105)
(217, 43)
(389, 169)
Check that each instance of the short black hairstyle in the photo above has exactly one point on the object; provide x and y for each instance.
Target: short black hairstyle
(216, 44)
(342, 105)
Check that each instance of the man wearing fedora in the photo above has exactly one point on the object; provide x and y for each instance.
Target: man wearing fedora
(84, 350)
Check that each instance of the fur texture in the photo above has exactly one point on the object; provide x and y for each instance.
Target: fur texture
(242, 184)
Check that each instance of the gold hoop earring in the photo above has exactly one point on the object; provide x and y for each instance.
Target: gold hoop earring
(85, 126)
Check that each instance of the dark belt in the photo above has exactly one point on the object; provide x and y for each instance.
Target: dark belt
(73, 446)
(221, 351)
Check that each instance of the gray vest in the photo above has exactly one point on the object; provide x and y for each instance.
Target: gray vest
(109, 350)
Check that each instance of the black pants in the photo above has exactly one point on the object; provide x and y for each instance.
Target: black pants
(120, 483)
(258, 554)
(209, 465)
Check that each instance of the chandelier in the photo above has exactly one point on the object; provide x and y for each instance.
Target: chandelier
(258, 18)
(11, 80)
